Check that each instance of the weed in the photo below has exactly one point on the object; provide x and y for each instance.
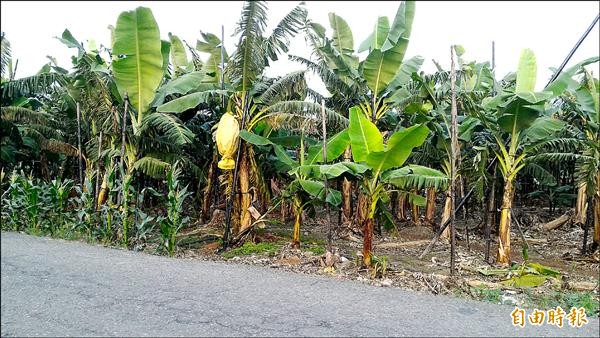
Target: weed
(566, 300)
(379, 266)
(488, 295)
(317, 250)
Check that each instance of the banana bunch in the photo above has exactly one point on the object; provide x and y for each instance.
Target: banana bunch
(227, 135)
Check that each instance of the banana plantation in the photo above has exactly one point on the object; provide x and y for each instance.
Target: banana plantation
(454, 182)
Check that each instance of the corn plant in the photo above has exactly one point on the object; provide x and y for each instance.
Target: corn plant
(141, 232)
(109, 216)
(144, 226)
(31, 193)
(12, 202)
(85, 204)
(59, 194)
(170, 225)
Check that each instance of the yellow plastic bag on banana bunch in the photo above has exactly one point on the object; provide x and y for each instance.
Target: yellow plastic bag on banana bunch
(228, 132)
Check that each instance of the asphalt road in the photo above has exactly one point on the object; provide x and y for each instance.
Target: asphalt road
(60, 288)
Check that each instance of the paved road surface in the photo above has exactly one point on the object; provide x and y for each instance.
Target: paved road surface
(57, 288)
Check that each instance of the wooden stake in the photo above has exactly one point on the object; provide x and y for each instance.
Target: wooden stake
(123, 128)
(489, 216)
(329, 230)
(453, 169)
(96, 191)
(79, 145)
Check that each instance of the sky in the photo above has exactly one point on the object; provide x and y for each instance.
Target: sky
(549, 28)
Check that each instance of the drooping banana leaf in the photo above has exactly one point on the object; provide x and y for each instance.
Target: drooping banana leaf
(404, 74)
(400, 146)
(336, 146)
(542, 128)
(181, 85)
(189, 101)
(365, 138)
(317, 189)
(402, 25)
(178, 54)
(416, 177)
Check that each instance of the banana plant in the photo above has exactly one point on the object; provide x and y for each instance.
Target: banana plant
(263, 103)
(521, 116)
(428, 100)
(383, 161)
(370, 83)
(580, 142)
(307, 173)
(140, 60)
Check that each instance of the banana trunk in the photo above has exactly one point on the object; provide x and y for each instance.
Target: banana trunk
(430, 208)
(401, 209)
(446, 214)
(597, 211)
(245, 201)
(297, 223)
(581, 204)
(415, 212)
(504, 230)
(347, 192)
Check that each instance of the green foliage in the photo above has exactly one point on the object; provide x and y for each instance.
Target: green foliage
(379, 266)
(489, 295)
(566, 300)
(388, 112)
(524, 275)
(316, 250)
(174, 221)
(365, 138)
(138, 64)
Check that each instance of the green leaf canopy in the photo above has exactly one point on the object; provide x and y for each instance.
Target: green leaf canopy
(382, 64)
(138, 64)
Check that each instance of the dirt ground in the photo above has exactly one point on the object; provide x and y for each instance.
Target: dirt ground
(399, 251)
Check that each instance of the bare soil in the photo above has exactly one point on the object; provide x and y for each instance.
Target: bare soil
(559, 249)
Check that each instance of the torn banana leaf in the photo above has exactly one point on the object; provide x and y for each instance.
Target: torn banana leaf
(525, 281)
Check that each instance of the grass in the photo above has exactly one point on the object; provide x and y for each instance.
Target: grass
(546, 301)
(488, 295)
(316, 250)
(250, 248)
(566, 300)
